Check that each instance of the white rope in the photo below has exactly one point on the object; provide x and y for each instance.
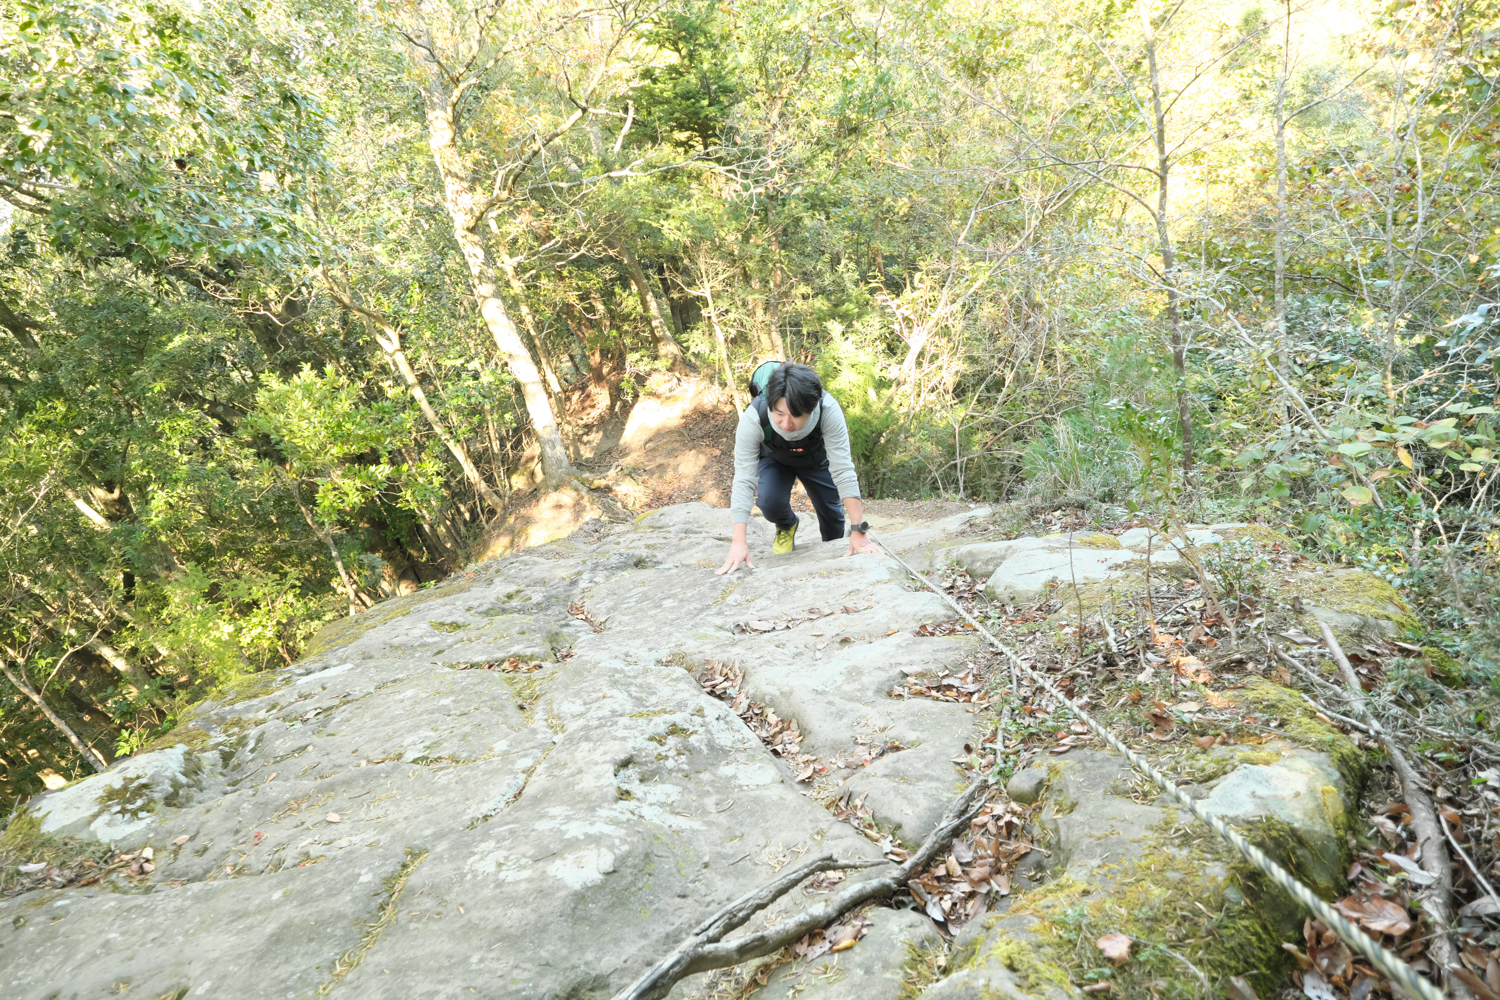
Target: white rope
(1386, 961)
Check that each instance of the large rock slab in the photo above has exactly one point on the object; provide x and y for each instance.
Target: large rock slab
(406, 813)
(1137, 865)
(511, 784)
(1030, 567)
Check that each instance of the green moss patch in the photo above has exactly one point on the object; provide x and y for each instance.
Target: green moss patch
(1353, 592)
(1260, 535)
(1301, 725)
(1186, 900)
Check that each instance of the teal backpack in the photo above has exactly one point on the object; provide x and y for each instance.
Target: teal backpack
(762, 376)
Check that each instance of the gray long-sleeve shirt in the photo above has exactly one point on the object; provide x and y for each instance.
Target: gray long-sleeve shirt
(749, 436)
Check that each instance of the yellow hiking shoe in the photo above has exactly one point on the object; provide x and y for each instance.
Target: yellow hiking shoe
(785, 542)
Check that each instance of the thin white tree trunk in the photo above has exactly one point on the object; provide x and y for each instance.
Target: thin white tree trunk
(1283, 354)
(1164, 239)
(94, 758)
(465, 206)
(519, 291)
(137, 679)
(713, 319)
(389, 339)
(355, 604)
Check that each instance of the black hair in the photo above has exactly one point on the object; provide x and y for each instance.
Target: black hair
(798, 384)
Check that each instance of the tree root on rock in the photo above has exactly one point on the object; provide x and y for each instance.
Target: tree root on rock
(1437, 899)
(704, 949)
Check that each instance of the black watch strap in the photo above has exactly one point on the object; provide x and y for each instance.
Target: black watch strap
(862, 527)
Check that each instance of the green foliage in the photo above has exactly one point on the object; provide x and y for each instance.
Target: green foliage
(1240, 569)
(687, 98)
(137, 130)
(952, 213)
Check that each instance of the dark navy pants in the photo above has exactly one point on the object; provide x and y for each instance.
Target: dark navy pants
(774, 496)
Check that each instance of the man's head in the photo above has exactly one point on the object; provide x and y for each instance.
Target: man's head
(792, 392)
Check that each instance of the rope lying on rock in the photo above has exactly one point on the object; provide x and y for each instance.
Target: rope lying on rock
(1383, 959)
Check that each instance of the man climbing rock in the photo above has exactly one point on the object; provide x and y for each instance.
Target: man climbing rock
(793, 430)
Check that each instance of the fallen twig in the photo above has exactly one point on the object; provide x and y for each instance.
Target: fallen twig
(704, 948)
(1438, 898)
(1478, 872)
(1336, 717)
(1307, 673)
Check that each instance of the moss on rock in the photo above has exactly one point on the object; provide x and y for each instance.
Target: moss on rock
(1353, 592)
(1445, 669)
(1301, 725)
(1260, 535)
(1186, 893)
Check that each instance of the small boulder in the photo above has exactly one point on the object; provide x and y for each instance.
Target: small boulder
(1026, 786)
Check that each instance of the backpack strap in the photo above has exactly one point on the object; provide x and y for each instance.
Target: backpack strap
(759, 402)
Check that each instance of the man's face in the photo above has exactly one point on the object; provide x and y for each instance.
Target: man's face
(781, 416)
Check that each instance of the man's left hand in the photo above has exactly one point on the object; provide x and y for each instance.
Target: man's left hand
(860, 542)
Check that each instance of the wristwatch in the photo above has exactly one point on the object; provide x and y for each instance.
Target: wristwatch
(862, 527)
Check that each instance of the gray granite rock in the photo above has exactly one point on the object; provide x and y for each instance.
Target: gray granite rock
(872, 970)
(550, 832)
(402, 814)
(1026, 785)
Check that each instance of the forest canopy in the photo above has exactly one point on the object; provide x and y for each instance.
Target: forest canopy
(296, 297)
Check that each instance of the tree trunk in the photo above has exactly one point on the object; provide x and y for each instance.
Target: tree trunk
(465, 205)
(389, 339)
(773, 289)
(591, 351)
(764, 347)
(1164, 238)
(94, 758)
(666, 345)
(356, 604)
(674, 305)
(133, 675)
(519, 291)
(1283, 353)
(713, 319)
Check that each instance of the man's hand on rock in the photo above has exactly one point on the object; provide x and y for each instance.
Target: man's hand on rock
(860, 542)
(739, 552)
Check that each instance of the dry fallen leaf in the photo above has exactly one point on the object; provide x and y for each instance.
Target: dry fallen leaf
(181, 840)
(934, 909)
(893, 631)
(1314, 987)
(1388, 829)
(1412, 869)
(1116, 947)
(1239, 989)
(1479, 986)
(1376, 914)
(1484, 906)
(334, 818)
